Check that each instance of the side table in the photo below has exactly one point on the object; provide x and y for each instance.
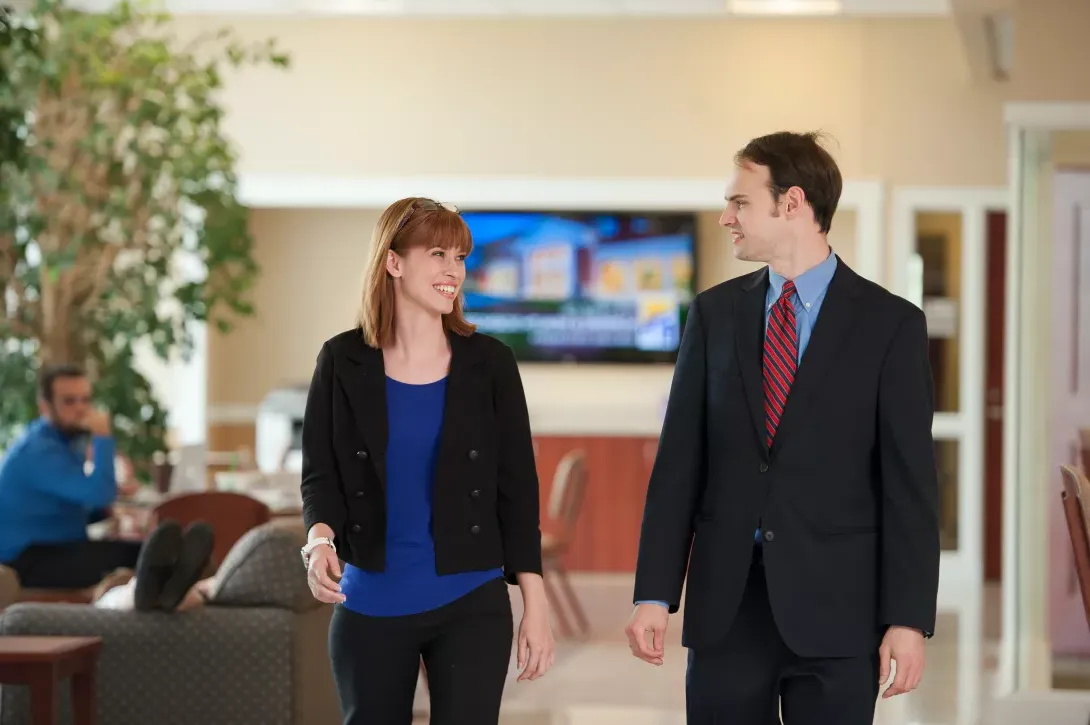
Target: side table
(42, 663)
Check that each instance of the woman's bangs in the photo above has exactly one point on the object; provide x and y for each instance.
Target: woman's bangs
(443, 229)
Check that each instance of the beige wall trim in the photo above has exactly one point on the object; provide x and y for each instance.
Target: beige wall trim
(232, 414)
(547, 8)
(1047, 116)
(864, 196)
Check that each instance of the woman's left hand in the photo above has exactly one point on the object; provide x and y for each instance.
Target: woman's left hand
(535, 642)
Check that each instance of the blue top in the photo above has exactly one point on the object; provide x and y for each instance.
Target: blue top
(810, 289)
(45, 495)
(410, 583)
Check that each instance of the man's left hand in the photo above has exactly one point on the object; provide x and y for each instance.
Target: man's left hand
(905, 646)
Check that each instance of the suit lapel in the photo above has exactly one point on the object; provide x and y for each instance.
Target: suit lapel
(365, 386)
(459, 411)
(835, 320)
(749, 342)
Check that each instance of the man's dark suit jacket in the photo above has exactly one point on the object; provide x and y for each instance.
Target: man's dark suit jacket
(847, 498)
(485, 501)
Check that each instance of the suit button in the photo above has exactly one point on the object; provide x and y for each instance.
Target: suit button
(474, 529)
(359, 494)
(475, 493)
(356, 528)
(473, 455)
(764, 468)
(769, 536)
(361, 454)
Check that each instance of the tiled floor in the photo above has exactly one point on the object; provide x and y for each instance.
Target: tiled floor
(598, 682)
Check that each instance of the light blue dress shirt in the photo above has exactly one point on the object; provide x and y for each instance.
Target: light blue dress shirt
(810, 289)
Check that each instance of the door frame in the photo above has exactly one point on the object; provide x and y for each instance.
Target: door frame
(962, 570)
(1025, 651)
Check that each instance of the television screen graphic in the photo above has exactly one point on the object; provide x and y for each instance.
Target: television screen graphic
(582, 286)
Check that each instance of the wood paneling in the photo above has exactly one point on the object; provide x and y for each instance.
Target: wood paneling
(231, 436)
(607, 533)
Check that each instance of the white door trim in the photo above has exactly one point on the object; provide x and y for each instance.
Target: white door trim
(962, 570)
(1025, 661)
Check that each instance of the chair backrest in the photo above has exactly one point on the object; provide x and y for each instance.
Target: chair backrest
(569, 488)
(1076, 502)
(230, 514)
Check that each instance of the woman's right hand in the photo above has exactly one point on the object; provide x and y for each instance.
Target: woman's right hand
(323, 574)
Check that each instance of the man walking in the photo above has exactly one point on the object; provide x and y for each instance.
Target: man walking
(795, 486)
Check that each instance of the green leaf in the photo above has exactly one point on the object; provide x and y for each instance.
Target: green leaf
(111, 143)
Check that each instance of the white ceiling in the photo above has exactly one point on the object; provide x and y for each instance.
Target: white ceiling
(712, 8)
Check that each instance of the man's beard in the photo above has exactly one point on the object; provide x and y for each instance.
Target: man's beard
(72, 430)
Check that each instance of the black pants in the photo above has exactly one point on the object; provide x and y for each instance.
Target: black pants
(747, 679)
(466, 646)
(76, 565)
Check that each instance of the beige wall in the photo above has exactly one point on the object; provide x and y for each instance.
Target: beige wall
(611, 97)
(1051, 54)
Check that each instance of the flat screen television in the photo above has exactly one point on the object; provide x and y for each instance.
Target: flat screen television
(582, 286)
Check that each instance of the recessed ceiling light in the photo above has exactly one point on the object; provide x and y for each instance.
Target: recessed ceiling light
(785, 7)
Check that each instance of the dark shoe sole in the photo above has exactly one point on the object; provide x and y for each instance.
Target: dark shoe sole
(197, 543)
(155, 564)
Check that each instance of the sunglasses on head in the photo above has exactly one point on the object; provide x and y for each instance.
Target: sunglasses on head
(425, 205)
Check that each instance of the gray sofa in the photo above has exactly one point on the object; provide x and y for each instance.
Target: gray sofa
(256, 655)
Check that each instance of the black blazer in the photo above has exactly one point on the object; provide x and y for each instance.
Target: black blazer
(485, 509)
(847, 497)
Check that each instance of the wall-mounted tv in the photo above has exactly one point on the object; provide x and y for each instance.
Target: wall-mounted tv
(582, 286)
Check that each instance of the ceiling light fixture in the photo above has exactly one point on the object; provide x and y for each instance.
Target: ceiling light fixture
(785, 7)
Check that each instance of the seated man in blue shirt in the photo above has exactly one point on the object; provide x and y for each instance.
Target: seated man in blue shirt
(46, 497)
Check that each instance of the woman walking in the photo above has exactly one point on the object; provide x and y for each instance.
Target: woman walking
(419, 474)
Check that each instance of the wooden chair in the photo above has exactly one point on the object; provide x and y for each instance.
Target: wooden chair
(565, 504)
(1076, 503)
(230, 514)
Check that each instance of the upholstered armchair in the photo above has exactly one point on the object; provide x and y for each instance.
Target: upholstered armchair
(255, 655)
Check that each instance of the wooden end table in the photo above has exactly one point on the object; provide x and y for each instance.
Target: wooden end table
(42, 662)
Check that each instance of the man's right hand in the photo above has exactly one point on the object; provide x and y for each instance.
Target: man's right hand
(648, 622)
(323, 567)
(98, 422)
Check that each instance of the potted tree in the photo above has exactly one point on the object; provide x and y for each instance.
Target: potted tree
(119, 218)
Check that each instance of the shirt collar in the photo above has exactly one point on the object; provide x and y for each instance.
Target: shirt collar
(809, 285)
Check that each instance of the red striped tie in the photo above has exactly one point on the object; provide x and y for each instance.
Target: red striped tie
(780, 359)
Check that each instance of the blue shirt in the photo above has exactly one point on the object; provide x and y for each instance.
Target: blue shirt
(410, 583)
(810, 289)
(45, 495)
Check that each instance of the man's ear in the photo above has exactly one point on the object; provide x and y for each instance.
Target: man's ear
(793, 201)
(393, 263)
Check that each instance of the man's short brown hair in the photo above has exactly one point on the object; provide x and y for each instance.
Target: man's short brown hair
(797, 159)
